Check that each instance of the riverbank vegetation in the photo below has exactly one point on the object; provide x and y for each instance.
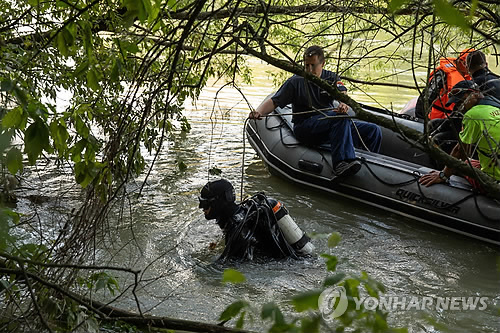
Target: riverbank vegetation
(128, 66)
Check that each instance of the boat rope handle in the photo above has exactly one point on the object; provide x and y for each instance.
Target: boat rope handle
(473, 195)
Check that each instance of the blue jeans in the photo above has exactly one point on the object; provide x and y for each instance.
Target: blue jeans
(340, 133)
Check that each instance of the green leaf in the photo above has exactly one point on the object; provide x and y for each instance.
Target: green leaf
(60, 136)
(101, 283)
(310, 324)
(129, 17)
(5, 139)
(394, 5)
(138, 7)
(36, 139)
(214, 171)
(232, 310)
(241, 320)
(81, 69)
(172, 4)
(5, 238)
(307, 300)
(334, 239)
(130, 47)
(232, 276)
(7, 85)
(333, 280)
(116, 70)
(473, 7)
(20, 95)
(112, 285)
(36, 109)
(61, 45)
(182, 166)
(85, 172)
(81, 127)
(272, 311)
(331, 262)
(146, 10)
(450, 14)
(14, 160)
(92, 80)
(185, 125)
(13, 119)
(15, 216)
(76, 151)
(153, 12)
(69, 38)
(87, 38)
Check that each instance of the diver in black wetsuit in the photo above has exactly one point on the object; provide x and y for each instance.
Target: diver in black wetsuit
(257, 225)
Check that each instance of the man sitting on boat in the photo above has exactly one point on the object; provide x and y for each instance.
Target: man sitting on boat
(257, 225)
(310, 104)
(481, 133)
(441, 80)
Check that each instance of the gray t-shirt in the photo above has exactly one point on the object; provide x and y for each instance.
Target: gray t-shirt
(295, 91)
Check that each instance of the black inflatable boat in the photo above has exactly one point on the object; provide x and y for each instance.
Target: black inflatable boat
(388, 180)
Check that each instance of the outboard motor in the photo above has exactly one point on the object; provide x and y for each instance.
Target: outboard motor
(294, 236)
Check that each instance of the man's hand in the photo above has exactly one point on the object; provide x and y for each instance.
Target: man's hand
(431, 178)
(254, 115)
(342, 108)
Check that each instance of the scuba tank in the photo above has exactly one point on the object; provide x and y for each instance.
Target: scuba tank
(294, 236)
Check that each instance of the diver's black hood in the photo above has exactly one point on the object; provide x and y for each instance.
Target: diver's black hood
(219, 196)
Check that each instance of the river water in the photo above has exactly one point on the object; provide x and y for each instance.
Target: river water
(172, 240)
(166, 236)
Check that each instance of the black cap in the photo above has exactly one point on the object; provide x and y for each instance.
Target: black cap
(218, 189)
(457, 93)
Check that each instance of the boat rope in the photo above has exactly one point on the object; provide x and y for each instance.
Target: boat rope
(481, 213)
(243, 158)
(416, 176)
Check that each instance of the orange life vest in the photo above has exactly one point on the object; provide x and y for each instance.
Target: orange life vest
(453, 76)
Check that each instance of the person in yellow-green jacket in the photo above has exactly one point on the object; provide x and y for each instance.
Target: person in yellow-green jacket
(480, 133)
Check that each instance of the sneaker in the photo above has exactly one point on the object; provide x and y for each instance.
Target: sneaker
(347, 168)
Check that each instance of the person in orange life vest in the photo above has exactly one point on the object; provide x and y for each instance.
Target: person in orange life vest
(444, 124)
(449, 72)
